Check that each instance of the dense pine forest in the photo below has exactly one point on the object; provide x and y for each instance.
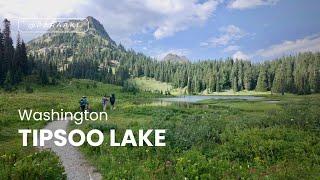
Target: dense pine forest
(13, 61)
(17, 66)
(103, 60)
(298, 74)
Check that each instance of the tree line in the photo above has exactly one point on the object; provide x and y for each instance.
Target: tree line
(13, 60)
(16, 65)
(299, 74)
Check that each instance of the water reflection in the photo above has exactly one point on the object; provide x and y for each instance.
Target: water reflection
(161, 102)
(194, 99)
(191, 101)
(272, 101)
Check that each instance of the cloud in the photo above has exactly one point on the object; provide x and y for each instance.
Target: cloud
(231, 48)
(181, 14)
(240, 55)
(247, 4)
(121, 18)
(129, 42)
(309, 43)
(229, 35)
(38, 8)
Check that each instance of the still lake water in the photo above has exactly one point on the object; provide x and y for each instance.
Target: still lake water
(195, 99)
(192, 101)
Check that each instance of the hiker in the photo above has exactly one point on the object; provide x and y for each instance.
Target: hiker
(104, 103)
(84, 103)
(112, 101)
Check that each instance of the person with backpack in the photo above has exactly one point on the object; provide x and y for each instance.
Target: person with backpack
(84, 103)
(112, 101)
(104, 103)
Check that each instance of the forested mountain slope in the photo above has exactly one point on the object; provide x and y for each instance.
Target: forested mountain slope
(94, 55)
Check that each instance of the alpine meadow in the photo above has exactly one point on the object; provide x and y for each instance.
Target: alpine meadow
(128, 94)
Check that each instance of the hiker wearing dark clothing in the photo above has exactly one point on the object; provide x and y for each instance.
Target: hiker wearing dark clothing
(84, 103)
(104, 103)
(112, 100)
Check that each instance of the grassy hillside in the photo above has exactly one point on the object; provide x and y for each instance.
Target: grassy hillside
(150, 84)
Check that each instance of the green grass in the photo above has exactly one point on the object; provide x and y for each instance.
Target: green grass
(216, 139)
(226, 139)
(150, 84)
(65, 95)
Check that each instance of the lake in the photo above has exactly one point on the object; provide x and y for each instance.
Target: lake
(192, 101)
(195, 99)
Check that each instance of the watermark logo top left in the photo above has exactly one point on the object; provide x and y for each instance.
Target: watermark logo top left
(53, 25)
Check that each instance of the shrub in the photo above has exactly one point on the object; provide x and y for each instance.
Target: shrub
(8, 88)
(129, 87)
(102, 127)
(54, 81)
(29, 89)
(95, 85)
(41, 165)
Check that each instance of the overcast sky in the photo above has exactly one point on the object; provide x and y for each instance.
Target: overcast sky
(198, 29)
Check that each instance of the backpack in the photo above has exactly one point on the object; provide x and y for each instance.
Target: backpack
(104, 101)
(112, 99)
(82, 102)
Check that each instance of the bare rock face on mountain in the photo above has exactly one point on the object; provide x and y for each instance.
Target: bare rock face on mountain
(72, 40)
(175, 58)
(71, 34)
